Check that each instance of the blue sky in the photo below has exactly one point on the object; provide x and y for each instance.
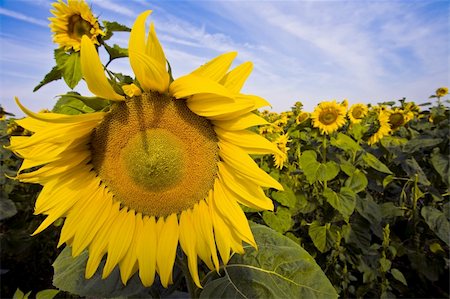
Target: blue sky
(308, 51)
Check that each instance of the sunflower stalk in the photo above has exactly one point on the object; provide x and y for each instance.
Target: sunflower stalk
(181, 262)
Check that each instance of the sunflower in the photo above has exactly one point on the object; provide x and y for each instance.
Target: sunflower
(399, 117)
(281, 157)
(168, 166)
(301, 117)
(357, 112)
(383, 127)
(441, 91)
(328, 116)
(73, 20)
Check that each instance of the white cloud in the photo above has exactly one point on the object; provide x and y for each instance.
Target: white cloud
(22, 17)
(115, 7)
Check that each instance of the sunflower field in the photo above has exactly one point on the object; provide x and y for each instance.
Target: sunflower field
(162, 187)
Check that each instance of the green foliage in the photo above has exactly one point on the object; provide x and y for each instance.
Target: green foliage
(280, 268)
(70, 67)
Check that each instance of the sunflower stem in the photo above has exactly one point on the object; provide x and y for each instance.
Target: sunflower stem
(324, 156)
(192, 288)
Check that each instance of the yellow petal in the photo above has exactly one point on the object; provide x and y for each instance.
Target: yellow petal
(232, 213)
(235, 79)
(167, 248)
(216, 68)
(154, 48)
(216, 107)
(240, 123)
(128, 263)
(222, 234)
(245, 166)
(120, 239)
(187, 242)
(146, 251)
(246, 193)
(251, 142)
(131, 90)
(94, 73)
(151, 74)
(207, 231)
(193, 84)
(59, 118)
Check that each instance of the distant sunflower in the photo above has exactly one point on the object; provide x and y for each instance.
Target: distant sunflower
(357, 112)
(441, 91)
(399, 117)
(382, 125)
(301, 117)
(73, 20)
(281, 156)
(328, 117)
(168, 166)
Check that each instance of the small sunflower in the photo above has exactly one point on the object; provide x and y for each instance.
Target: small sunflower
(383, 127)
(442, 91)
(281, 156)
(357, 112)
(301, 117)
(73, 20)
(399, 117)
(166, 167)
(328, 117)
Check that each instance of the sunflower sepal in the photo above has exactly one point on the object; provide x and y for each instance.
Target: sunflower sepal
(73, 103)
(111, 27)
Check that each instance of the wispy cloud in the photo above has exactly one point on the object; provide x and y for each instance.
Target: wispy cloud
(115, 7)
(22, 17)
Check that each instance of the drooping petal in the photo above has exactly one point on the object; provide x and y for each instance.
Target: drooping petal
(146, 251)
(245, 166)
(187, 242)
(167, 247)
(243, 122)
(251, 142)
(131, 90)
(216, 107)
(216, 68)
(128, 265)
(93, 72)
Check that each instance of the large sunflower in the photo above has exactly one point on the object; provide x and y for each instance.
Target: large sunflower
(168, 166)
(357, 112)
(73, 20)
(328, 117)
(382, 126)
(399, 117)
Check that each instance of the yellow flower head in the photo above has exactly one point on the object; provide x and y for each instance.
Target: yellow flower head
(281, 156)
(163, 168)
(383, 127)
(72, 21)
(442, 91)
(357, 112)
(344, 103)
(328, 117)
(399, 117)
(301, 117)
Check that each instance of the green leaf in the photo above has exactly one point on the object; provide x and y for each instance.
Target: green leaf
(357, 131)
(280, 220)
(47, 294)
(399, 276)
(70, 66)
(437, 222)
(327, 171)
(116, 51)
(347, 167)
(385, 264)
(71, 104)
(7, 208)
(346, 143)
(441, 164)
(419, 144)
(387, 180)
(344, 201)
(287, 197)
(53, 75)
(280, 268)
(309, 165)
(357, 181)
(393, 141)
(412, 168)
(110, 27)
(318, 234)
(69, 277)
(373, 162)
(371, 211)
(390, 210)
(95, 103)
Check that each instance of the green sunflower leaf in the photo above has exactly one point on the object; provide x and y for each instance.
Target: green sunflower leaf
(116, 51)
(53, 75)
(357, 181)
(281, 220)
(70, 66)
(344, 201)
(373, 162)
(318, 234)
(438, 222)
(345, 143)
(111, 27)
(280, 268)
(47, 294)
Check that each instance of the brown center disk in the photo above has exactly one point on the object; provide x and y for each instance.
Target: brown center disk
(155, 155)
